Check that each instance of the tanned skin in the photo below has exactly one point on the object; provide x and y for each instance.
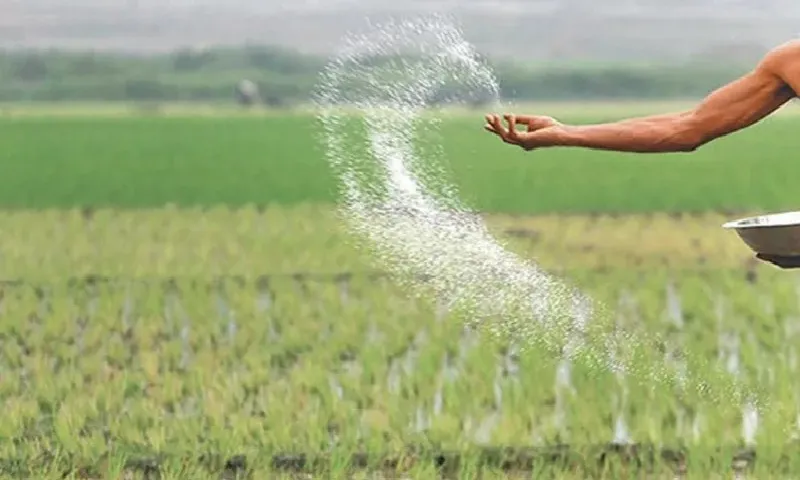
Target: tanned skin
(735, 106)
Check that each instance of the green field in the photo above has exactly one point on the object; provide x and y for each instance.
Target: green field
(147, 161)
(241, 320)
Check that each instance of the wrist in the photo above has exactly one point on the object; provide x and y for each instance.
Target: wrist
(559, 136)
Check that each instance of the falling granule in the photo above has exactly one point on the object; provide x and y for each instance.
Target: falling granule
(413, 221)
(374, 100)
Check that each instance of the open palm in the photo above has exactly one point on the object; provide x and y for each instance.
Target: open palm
(534, 135)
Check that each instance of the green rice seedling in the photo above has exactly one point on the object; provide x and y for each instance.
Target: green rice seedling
(147, 364)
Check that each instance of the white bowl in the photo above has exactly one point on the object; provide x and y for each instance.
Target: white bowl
(772, 234)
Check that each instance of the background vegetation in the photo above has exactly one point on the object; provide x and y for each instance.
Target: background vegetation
(286, 77)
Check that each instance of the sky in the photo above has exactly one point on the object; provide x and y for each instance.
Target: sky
(545, 30)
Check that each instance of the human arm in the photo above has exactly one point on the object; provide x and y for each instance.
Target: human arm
(735, 106)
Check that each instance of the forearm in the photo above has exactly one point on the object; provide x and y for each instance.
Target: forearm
(728, 109)
(660, 134)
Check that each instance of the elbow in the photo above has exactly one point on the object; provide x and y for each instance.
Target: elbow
(690, 146)
(686, 143)
(687, 147)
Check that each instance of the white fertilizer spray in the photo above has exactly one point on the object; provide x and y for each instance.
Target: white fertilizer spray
(374, 100)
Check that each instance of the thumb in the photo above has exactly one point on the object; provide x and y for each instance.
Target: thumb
(538, 122)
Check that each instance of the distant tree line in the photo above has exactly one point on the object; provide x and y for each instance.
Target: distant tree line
(283, 77)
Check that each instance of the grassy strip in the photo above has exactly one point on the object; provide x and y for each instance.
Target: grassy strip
(185, 243)
(141, 162)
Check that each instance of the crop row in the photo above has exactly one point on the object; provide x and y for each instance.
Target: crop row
(559, 461)
(172, 242)
(236, 367)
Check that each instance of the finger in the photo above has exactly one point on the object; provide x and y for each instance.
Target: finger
(541, 122)
(498, 127)
(492, 129)
(532, 122)
(512, 125)
(507, 135)
(489, 123)
(526, 119)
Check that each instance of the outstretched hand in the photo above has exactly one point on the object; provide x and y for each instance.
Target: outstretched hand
(536, 134)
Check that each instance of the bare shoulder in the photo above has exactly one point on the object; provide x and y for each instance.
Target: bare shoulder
(782, 58)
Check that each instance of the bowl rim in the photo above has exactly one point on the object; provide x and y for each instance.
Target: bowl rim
(738, 225)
